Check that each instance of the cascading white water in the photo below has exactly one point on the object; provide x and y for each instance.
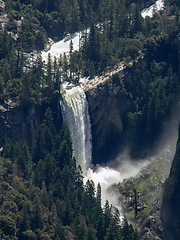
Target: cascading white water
(75, 113)
(74, 107)
(159, 5)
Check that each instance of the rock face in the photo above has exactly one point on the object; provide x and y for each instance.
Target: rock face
(21, 122)
(18, 123)
(106, 109)
(170, 211)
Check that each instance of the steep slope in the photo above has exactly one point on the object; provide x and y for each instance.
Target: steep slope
(170, 212)
(21, 122)
(106, 108)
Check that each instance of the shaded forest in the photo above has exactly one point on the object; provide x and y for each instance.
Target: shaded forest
(43, 195)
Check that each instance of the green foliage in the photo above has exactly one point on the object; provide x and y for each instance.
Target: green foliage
(8, 226)
(43, 193)
(1, 88)
(43, 197)
(117, 31)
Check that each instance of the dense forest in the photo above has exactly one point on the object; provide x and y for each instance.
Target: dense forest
(42, 190)
(43, 195)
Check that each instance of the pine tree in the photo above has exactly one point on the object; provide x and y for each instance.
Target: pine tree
(1, 87)
(81, 229)
(26, 91)
(65, 68)
(98, 193)
(111, 234)
(25, 220)
(49, 169)
(111, 18)
(39, 174)
(107, 215)
(162, 99)
(71, 62)
(100, 228)
(75, 16)
(90, 189)
(5, 44)
(90, 234)
(49, 80)
(48, 121)
(83, 11)
(92, 43)
(39, 151)
(37, 219)
(137, 24)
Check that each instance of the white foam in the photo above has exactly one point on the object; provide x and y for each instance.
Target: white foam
(159, 5)
(75, 113)
(107, 176)
(62, 47)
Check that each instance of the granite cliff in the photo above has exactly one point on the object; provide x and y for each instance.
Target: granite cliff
(21, 122)
(106, 109)
(170, 211)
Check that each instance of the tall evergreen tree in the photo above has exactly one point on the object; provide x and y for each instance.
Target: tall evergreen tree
(38, 150)
(98, 193)
(65, 68)
(100, 228)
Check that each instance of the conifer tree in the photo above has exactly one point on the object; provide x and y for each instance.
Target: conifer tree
(90, 234)
(37, 219)
(98, 193)
(38, 151)
(100, 228)
(65, 68)
(92, 43)
(1, 87)
(90, 189)
(137, 24)
(111, 18)
(48, 121)
(71, 63)
(81, 229)
(107, 215)
(49, 80)
(49, 164)
(75, 16)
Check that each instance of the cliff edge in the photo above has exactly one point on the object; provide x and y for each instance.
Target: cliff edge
(106, 109)
(170, 212)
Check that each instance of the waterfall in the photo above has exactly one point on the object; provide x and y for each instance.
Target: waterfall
(75, 112)
(74, 108)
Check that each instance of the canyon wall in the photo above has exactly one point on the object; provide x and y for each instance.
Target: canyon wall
(106, 109)
(21, 122)
(170, 211)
